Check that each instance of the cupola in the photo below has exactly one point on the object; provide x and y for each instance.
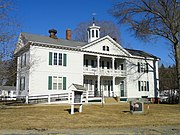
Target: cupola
(93, 32)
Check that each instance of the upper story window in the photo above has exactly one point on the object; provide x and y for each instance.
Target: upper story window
(23, 60)
(143, 67)
(105, 48)
(57, 59)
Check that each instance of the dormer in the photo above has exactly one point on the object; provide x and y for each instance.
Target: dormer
(93, 32)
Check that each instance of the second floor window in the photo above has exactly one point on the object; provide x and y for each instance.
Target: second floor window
(57, 59)
(143, 67)
(23, 60)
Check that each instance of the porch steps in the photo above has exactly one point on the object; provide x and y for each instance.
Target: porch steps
(110, 100)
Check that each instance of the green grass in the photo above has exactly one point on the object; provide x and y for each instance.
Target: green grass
(93, 116)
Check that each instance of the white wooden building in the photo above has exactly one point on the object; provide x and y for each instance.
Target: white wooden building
(49, 65)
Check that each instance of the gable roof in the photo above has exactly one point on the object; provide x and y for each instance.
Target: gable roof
(49, 40)
(111, 40)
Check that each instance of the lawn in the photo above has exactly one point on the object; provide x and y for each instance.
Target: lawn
(58, 117)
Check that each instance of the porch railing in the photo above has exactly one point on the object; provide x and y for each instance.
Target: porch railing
(103, 72)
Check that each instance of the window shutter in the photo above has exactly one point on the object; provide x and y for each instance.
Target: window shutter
(139, 85)
(50, 83)
(64, 59)
(50, 58)
(139, 67)
(147, 68)
(147, 85)
(64, 83)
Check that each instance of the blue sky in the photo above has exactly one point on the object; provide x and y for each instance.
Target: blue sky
(38, 16)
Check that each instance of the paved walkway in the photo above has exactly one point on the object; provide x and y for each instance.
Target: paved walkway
(149, 130)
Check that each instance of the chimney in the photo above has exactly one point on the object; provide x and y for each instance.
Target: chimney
(52, 33)
(68, 34)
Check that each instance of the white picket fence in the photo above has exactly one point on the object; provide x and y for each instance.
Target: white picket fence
(65, 97)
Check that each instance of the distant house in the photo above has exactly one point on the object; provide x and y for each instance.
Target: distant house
(48, 65)
(7, 92)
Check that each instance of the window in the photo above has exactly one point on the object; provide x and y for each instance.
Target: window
(105, 48)
(56, 83)
(23, 60)
(142, 67)
(60, 83)
(57, 59)
(97, 33)
(143, 85)
(22, 83)
(60, 59)
(92, 33)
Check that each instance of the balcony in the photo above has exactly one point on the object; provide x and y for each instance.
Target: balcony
(104, 72)
(121, 73)
(90, 71)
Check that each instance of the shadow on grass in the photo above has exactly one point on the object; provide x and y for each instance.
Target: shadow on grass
(126, 111)
(69, 110)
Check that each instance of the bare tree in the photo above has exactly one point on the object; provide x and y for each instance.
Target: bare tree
(8, 29)
(107, 28)
(152, 18)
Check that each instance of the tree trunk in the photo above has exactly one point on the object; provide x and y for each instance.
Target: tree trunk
(177, 59)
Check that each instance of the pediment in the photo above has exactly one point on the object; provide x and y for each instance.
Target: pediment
(101, 46)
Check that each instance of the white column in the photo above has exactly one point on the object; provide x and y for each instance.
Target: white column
(115, 95)
(113, 60)
(98, 61)
(98, 66)
(113, 64)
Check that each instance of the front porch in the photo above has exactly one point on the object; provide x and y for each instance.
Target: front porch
(105, 86)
